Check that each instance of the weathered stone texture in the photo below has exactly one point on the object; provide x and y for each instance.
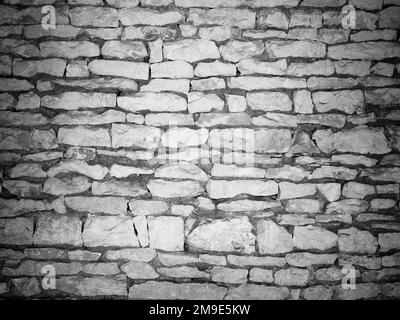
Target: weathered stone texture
(109, 232)
(200, 149)
(228, 236)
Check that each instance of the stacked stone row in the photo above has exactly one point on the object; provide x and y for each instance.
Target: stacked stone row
(200, 149)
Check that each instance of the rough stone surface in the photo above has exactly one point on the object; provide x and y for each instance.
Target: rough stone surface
(388, 241)
(243, 19)
(257, 292)
(307, 49)
(191, 50)
(27, 287)
(125, 69)
(200, 149)
(273, 239)
(354, 140)
(134, 16)
(139, 270)
(93, 286)
(166, 233)
(227, 275)
(353, 240)
(174, 189)
(18, 231)
(109, 232)
(135, 136)
(313, 238)
(346, 101)
(305, 259)
(152, 290)
(109, 205)
(69, 50)
(269, 101)
(237, 50)
(292, 277)
(224, 235)
(218, 189)
(58, 230)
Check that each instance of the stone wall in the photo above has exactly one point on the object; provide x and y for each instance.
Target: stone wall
(191, 149)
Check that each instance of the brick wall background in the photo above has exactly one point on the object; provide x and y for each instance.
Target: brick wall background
(94, 111)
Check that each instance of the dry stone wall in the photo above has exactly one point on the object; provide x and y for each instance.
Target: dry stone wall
(200, 149)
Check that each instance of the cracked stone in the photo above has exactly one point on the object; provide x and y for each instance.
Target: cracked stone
(224, 235)
(109, 232)
(273, 239)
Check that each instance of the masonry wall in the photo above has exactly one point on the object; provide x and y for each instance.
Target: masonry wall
(199, 149)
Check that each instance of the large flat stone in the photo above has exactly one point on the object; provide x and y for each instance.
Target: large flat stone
(125, 69)
(152, 290)
(109, 232)
(166, 233)
(138, 136)
(148, 101)
(58, 230)
(17, 231)
(243, 18)
(273, 239)
(191, 50)
(93, 286)
(362, 140)
(257, 292)
(309, 238)
(174, 189)
(69, 49)
(364, 51)
(135, 16)
(219, 189)
(223, 235)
